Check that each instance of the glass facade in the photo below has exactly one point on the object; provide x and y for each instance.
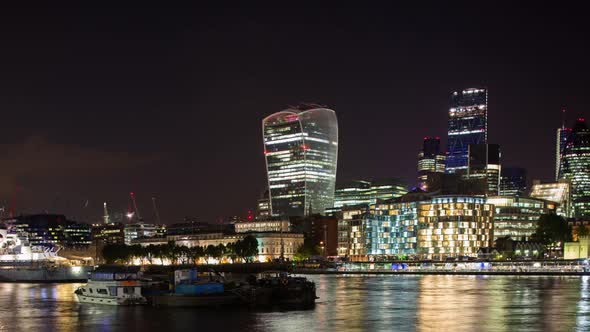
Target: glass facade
(562, 135)
(368, 192)
(301, 150)
(451, 226)
(391, 228)
(517, 217)
(557, 192)
(513, 181)
(430, 160)
(575, 162)
(468, 124)
(484, 164)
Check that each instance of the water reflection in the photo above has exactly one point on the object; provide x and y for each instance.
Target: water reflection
(347, 303)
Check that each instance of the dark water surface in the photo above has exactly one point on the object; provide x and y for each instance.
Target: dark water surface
(347, 303)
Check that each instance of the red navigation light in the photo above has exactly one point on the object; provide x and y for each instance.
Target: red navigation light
(437, 137)
(265, 152)
(305, 147)
(581, 119)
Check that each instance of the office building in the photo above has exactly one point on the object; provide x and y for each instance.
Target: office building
(563, 133)
(517, 217)
(557, 192)
(139, 230)
(391, 228)
(112, 233)
(513, 181)
(301, 151)
(367, 192)
(430, 160)
(352, 193)
(575, 161)
(468, 124)
(49, 230)
(263, 206)
(349, 216)
(452, 226)
(271, 224)
(484, 166)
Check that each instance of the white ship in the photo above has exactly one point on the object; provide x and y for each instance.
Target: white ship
(21, 263)
(112, 285)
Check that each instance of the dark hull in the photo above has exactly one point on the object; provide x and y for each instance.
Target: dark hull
(182, 300)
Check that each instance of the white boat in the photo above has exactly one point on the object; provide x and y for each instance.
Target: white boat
(112, 285)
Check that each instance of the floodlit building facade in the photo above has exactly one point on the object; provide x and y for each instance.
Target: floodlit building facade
(557, 192)
(139, 230)
(517, 217)
(430, 160)
(301, 151)
(468, 124)
(391, 229)
(452, 226)
(279, 224)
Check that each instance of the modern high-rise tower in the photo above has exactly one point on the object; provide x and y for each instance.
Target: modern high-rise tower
(484, 165)
(468, 124)
(301, 150)
(430, 160)
(562, 135)
(575, 161)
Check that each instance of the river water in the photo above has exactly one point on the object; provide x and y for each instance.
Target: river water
(347, 303)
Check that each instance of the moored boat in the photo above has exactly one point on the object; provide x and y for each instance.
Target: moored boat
(112, 285)
(278, 288)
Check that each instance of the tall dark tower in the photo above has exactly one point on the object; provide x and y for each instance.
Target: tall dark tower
(468, 124)
(430, 160)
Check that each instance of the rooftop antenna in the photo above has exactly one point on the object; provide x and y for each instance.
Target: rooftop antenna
(563, 118)
(156, 210)
(132, 194)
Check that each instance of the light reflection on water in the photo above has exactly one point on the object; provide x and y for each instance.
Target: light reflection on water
(355, 303)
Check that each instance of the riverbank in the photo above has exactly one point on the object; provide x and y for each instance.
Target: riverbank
(426, 272)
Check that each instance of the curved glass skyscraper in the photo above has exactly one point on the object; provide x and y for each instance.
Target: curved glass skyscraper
(575, 161)
(301, 150)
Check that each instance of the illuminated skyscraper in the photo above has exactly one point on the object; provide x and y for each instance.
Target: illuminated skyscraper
(468, 124)
(301, 150)
(575, 161)
(430, 160)
(562, 135)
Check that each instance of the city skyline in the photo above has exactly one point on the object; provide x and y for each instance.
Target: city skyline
(86, 124)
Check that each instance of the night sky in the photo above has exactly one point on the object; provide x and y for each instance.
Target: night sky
(168, 102)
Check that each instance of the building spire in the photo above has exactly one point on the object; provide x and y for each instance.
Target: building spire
(563, 118)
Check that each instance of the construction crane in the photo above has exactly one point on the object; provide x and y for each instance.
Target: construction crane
(156, 210)
(132, 194)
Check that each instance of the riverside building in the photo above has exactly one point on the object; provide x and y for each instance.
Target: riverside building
(517, 217)
(301, 152)
(428, 227)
